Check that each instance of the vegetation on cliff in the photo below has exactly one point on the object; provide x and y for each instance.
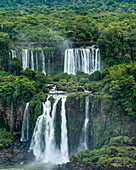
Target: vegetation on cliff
(114, 33)
(112, 92)
(118, 154)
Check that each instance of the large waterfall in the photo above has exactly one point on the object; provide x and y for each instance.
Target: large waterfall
(84, 59)
(43, 143)
(25, 124)
(83, 142)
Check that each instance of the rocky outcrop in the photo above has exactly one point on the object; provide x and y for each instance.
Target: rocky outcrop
(18, 113)
(15, 152)
(107, 120)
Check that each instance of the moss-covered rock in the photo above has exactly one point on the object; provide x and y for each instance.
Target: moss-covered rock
(75, 106)
(107, 157)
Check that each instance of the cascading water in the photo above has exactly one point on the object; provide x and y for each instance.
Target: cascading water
(25, 60)
(36, 62)
(84, 59)
(43, 63)
(32, 60)
(25, 124)
(83, 143)
(43, 142)
(64, 139)
(11, 118)
(13, 53)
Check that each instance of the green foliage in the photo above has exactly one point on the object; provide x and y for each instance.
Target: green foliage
(108, 157)
(61, 85)
(124, 90)
(121, 141)
(25, 89)
(15, 66)
(72, 86)
(61, 76)
(96, 76)
(5, 139)
(30, 74)
(83, 81)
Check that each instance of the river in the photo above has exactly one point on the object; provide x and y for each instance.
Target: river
(31, 166)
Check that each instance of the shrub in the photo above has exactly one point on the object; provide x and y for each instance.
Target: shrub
(96, 76)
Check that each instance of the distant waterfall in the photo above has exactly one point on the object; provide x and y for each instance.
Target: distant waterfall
(64, 139)
(83, 142)
(25, 59)
(32, 60)
(13, 53)
(36, 62)
(43, 142)
(43, 63)
(84, 59)
(11, 118)
(25, 124)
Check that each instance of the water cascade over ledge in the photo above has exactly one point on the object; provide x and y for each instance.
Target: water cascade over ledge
(25, 124)
(84, 59)
(43, 144)
(83, 142)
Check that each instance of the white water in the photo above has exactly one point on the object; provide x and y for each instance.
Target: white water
(25, 124)
(49, 67)
(32, 60)
(64, 139)
(84, 59)
(83, 144)
(43, 142)
(43, 63)
(11, 118)
(13, 53)
(36, 62)
(25, 60)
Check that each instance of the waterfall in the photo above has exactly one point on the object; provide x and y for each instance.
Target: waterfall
(64, 139)
(83, 142)
(36, 62)
(13, 53)
(43, 63)
(25, 60)
(11, 118)
(25, 124)
(49, 66)
(84, 59)
(43, 144)
(32, 60)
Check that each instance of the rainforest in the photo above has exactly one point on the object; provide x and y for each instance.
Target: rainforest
(67, 84)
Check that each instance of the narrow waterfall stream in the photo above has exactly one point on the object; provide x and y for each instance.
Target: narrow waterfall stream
(43, 143)
(36, 62)
(25, 124)
(32, 60)
(13, 53)
(64, 139)
(43, 62)
(83, 143)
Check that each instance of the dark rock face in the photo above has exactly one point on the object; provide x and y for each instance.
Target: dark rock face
(18, 116)
(107, 120)
(15, 153)
(75, 117)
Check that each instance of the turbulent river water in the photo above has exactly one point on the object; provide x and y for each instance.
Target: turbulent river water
(31, 166)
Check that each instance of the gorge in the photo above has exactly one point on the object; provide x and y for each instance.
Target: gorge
(67, 85)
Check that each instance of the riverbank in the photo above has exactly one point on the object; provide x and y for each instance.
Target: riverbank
(12, 150)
